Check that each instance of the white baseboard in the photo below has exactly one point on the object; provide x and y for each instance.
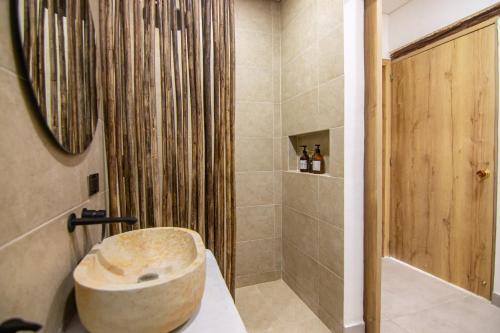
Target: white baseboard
(495, 299)
(355, 328)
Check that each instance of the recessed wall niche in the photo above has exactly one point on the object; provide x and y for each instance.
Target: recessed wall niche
(331, 143)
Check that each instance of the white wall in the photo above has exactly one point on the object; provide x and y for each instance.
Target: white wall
(386, 54)
(421, 17)
(353, 161)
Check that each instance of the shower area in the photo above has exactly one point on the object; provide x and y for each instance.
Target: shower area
(289, 225)
(225, 94)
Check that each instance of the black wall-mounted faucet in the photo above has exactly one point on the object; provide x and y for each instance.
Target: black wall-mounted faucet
(17, 325)
(90, 217)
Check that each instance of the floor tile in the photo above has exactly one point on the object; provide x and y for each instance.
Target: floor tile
(273, 307)
(414, 302)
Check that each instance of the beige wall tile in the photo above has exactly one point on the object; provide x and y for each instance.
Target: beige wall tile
(299, 113)
(277, 121)
(254, 154)
(302, 231)
(7, 52)
(258, 124)
(331, 103)
(331, 56)
(36, 278)
(254, 188)
(253, 84)
(300, 74)
(278, 253)
(337, 152)
(331, 248)
(333, 325)
(278, 188)
(251, 279)
(303, 269)
(254, 119)
(331, 294)
(254, 49)
(330, 16)
(278, 221)
(255, 257)
(277, 155)
(299, 34)
(253, 15)
(331, 201)
(38, 180)
(292, 8)
(301, 192)
(276, 14)
(256, 222)
(310, 299)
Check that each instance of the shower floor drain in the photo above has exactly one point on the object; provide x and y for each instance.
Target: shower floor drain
(147, 277)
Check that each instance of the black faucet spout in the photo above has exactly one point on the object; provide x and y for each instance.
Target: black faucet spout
(91, 217)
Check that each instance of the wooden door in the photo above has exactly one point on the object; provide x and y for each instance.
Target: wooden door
(443, 131)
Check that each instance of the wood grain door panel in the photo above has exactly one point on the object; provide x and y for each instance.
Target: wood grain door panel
(443, 129)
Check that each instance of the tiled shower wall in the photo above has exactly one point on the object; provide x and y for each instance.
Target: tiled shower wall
(258, 137)
(40, 186)
(313, 205)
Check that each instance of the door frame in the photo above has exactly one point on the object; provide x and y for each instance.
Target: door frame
(374, 139)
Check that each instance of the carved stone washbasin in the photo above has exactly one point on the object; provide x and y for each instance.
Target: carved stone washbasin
(143, 281)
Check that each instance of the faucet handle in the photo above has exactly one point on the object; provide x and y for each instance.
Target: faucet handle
(15, 325)
(93, 213)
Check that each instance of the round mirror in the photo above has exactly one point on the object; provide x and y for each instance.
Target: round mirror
(57, 38)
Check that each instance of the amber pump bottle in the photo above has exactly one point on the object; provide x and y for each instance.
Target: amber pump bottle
(318, 162)
(304, 160)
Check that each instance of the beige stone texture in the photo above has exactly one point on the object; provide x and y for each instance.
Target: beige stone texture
(258, 140)
(119, 284)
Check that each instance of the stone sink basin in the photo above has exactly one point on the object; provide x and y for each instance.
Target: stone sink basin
(142, 281)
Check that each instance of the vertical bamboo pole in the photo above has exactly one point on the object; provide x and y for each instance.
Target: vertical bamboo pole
(34, 44)
(79, 76)
(207, 108)
(193, 218)
(133, 195)
(168, 122)
(61, 7)
(185, 113)
(70, 17)
(120, 114)
(40, 69)
(108, 37)
(139, 109)
(27, 30)
(147, 109)
(54, 122)
(153, 133)
(200, 119)
(180, 142)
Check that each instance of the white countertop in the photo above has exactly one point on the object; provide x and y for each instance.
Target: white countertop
(217, 312)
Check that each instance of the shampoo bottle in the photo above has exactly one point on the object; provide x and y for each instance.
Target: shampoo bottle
(304, 160)
(318, 162)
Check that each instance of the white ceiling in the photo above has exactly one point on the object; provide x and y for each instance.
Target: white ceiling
(388, 6)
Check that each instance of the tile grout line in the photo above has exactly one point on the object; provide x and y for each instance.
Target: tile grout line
(49, 221)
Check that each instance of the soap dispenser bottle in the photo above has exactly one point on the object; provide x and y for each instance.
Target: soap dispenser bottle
(318, 162)
(304, 160)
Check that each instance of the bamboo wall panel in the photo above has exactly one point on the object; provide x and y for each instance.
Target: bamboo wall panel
(443, 133)
(170, 125)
